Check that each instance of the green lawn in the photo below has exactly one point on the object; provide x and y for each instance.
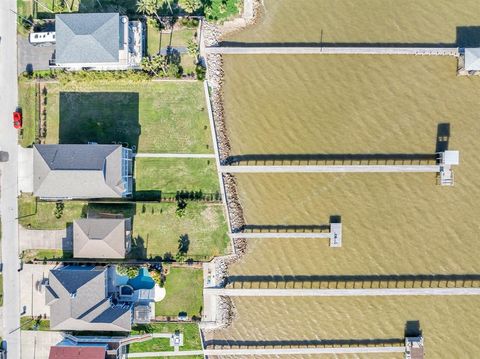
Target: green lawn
(40, 215)
(184, 293)
(154, 116)
(204, 226)
(156, 227)
(29, 323)
(170, 175)
(46, 254)
(190, 332)
(179, 37)
(27, 102)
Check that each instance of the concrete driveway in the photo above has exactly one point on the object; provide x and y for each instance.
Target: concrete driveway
(33, 58)
(25, 170)
(45, 239)
(36, 344)
(32, 298)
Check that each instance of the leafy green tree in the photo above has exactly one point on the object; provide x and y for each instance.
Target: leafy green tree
(190, 6)
(148, 7)
(192, 49)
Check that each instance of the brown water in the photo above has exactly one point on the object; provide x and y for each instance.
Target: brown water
(393, 223)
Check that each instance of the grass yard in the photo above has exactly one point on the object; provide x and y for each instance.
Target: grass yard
(40, 215)
(190, 334)
(203, 227)
(46, 254)
(179, 38)
(27, 102)
(184, 293)
(157, 40)
(29, 323)
(169, 175)
(157, 229)
(153, 116)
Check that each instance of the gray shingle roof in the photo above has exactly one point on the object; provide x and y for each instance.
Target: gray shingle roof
(77, 171)
(87, 38)
(81, 301)
(99, 238)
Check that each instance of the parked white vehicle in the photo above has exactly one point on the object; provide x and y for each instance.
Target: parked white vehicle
(42, 37)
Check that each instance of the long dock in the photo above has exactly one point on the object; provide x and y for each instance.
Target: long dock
(334, 235)
(330, 169)
(272, 351)
(330, 50)
(370, 292)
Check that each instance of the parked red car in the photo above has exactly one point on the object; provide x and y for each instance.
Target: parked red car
(17, 119)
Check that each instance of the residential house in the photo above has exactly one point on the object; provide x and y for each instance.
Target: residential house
(78, 352)
(82, 171)
(89, 347)
(98, 41)
(92, 298)
(101, 237)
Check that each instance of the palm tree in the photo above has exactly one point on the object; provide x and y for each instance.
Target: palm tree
(148, 7)
(190, 6)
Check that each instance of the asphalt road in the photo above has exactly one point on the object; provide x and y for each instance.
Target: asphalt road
(8, 182)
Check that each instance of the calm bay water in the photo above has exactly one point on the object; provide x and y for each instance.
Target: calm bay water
(393, 223)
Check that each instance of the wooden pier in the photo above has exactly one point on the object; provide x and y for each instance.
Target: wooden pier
(445, 161)
(335, 235)
(330, 169)
(322, 50)
(271, 351)
(370, 292)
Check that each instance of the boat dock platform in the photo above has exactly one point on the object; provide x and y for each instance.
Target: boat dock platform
(334, 235)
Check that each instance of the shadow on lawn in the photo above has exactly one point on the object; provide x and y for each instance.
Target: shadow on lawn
(101, 117)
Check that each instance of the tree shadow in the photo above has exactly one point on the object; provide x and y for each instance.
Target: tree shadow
(183, 244)
(101, 117)
(138, 248)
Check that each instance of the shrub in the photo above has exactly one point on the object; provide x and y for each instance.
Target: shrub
(126, 270)
(59, 206)
(200, 72)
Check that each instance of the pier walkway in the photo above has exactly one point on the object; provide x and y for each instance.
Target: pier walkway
(335, 235)
(445, 161)
(330, 169)
(370, 292)
(272, 351)
(322, 50)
